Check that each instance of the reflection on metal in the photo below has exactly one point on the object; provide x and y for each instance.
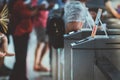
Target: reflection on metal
(87, 39)
(88, 16)
(82, 41)
(60, 53)
(71, 65)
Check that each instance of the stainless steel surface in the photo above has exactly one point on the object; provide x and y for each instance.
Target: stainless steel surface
(84, 55)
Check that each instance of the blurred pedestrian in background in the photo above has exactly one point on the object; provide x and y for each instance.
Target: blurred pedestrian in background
(21, 24)
(40, 23)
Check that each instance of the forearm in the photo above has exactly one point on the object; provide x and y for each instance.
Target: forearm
(112, 10)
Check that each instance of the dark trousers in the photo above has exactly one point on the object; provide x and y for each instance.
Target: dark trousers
(21, 45)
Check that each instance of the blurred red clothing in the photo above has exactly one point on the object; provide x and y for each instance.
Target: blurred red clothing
(34, 3)
(21, 16)
(40, 20)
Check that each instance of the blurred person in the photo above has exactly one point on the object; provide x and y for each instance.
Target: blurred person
(112, 10)
(93, 6)
(4, 46)
(40, 22)
(21, 24)
(3, 38)
(4, 70)
(76, 18)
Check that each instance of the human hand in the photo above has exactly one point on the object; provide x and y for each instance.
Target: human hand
(10, 54)
(35, 12)
(3, 54)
